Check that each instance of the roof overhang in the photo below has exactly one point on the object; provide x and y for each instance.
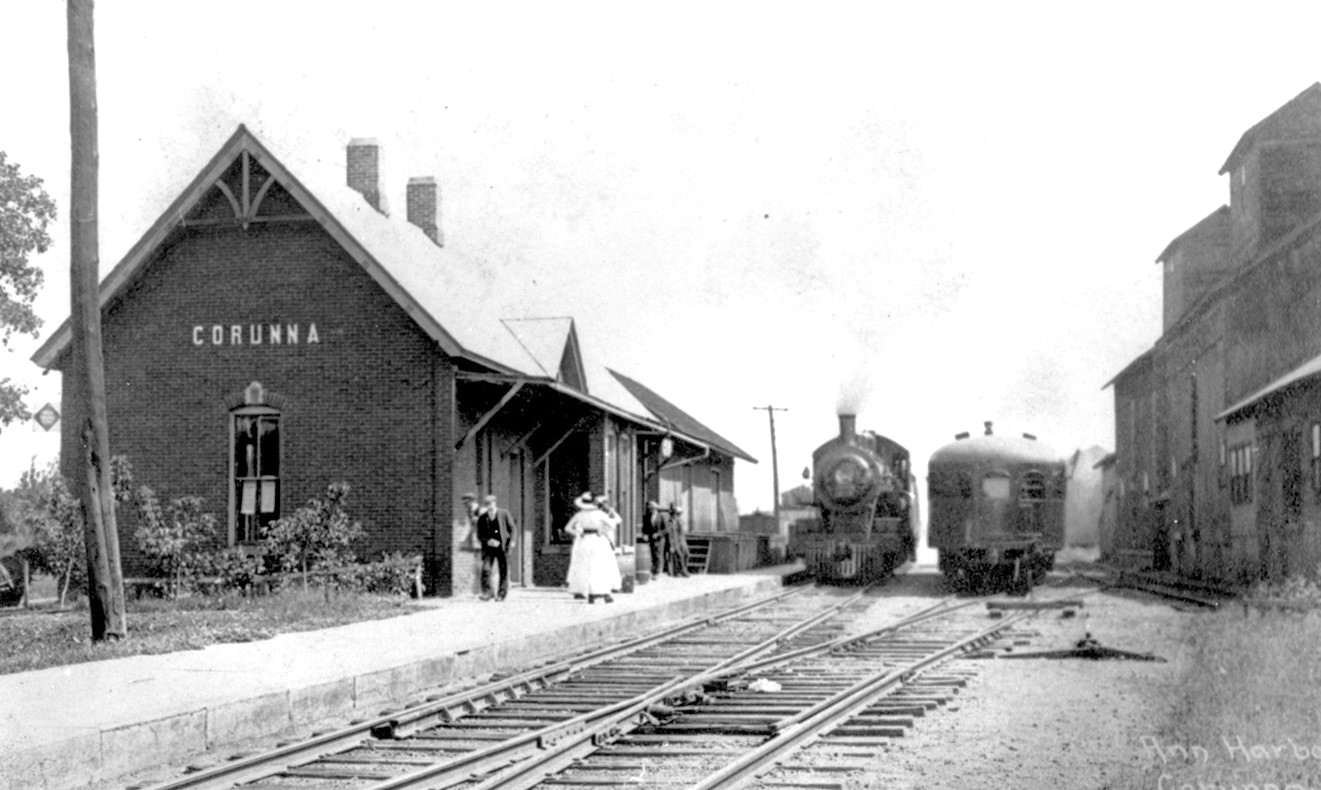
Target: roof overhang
(1303, 372)
(1145, 356)
(597, 403)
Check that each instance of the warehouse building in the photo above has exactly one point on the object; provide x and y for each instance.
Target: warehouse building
(1217, 471)
(276, 331)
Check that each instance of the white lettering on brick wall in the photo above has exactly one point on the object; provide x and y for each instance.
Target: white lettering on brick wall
(255, 334)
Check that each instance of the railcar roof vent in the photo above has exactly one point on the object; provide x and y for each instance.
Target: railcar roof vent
(988, 427)
(1030, 436)
(961, 436)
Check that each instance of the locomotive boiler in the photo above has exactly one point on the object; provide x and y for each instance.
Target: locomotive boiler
(866, 526)
(996, 509)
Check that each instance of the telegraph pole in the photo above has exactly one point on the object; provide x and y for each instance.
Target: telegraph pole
(105, 584)
(775, 462)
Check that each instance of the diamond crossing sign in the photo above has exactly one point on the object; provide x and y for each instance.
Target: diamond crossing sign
(47, 416)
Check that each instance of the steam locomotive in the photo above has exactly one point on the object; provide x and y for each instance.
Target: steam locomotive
(996, 509)
(863, 490)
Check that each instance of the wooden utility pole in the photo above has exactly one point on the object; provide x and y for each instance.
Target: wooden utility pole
(105, 584)
(775, 461)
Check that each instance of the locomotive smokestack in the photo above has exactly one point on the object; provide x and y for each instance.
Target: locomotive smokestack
(988, 427)
(848, 426)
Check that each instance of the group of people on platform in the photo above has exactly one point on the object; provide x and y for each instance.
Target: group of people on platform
(667, 539)
(593, 567)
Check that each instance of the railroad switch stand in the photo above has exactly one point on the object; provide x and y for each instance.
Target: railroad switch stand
(1089, 648)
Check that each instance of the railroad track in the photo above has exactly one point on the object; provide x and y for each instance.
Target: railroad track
(760, 720)
(447, 740)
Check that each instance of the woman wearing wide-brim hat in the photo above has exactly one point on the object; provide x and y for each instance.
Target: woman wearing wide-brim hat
(593, 569)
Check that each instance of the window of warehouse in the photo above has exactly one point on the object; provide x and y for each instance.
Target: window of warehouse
(1316, 459)
(1240, 474)
(256, 472)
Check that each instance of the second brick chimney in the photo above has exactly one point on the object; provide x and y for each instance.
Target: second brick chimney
(364, 169)
(424, 206)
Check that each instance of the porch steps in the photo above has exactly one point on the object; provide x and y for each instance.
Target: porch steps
(699, 553)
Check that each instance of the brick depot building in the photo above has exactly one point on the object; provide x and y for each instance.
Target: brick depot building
(274, 332)
(1217, 470)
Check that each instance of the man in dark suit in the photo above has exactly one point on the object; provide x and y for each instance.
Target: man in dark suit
(655, 530)
(495, 533)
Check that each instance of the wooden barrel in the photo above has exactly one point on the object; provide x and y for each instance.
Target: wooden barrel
(627, 569)
(642, 561)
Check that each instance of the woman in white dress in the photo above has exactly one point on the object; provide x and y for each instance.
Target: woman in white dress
(577, 563)
(593, 569)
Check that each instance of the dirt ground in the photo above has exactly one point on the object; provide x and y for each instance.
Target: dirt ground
(1036, 723)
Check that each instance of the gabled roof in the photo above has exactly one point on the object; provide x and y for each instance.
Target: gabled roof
(1214, 225)
(1300, 118)
(427, 281)
(677, 419)
(553, 345)
(422, 278)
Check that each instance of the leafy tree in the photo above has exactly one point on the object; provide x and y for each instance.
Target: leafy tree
(25, 213)
(318, 536)
(48, 513)
(176, 541)
(43, 522)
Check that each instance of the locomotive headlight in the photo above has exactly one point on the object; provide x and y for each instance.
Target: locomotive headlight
(846, 481)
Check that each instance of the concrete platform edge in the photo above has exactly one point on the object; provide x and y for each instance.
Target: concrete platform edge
(95, 757)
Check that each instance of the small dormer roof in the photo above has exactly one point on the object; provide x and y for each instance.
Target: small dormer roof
(1215, 225)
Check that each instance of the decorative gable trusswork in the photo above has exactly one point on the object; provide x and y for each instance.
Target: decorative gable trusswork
(244, 194)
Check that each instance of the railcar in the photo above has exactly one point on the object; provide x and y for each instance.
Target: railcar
(996, 506)
(862, 487)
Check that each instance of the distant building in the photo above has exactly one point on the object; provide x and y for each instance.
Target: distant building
(1083, 498)
(275, 331)
(1218, 425)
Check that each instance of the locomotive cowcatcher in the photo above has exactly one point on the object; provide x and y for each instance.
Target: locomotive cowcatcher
(863, 490)
(997, 509)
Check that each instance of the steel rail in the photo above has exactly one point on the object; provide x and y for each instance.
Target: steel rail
(471, 700)
(414, 720)
(795, 732)
(590, 727)
(937, 609)
(560, 743)
(534, 770)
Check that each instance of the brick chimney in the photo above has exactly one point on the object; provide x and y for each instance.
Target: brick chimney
(364, 169)
(424, 207)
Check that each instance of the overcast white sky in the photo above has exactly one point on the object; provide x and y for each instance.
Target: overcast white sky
(948, 213)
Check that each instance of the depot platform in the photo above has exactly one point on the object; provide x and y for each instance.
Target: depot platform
(85, 725)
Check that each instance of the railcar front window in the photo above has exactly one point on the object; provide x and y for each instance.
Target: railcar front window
(1034, 487)
(996, 486)
(950, 484)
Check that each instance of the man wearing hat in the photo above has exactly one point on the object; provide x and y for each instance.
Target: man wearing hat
(678, 542)
(654, 529)
(495, 532)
